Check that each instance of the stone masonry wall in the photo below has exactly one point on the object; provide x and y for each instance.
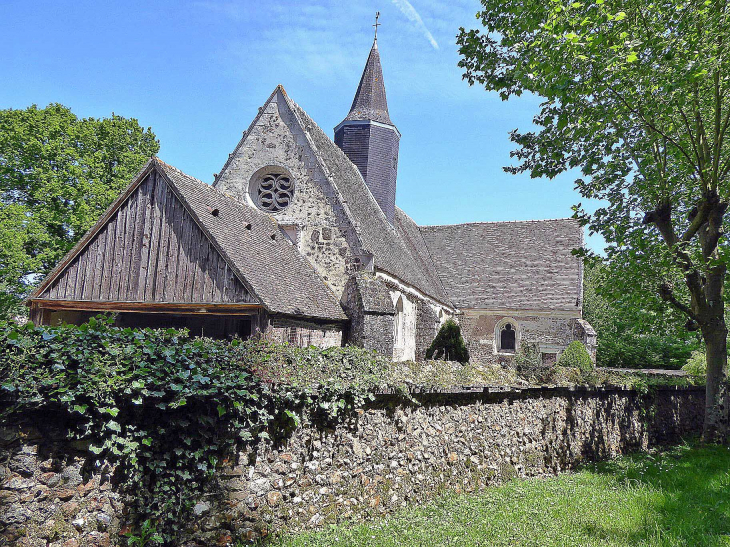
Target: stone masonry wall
(303, 334)
(427, 326)
(552, 333)
(390, 455)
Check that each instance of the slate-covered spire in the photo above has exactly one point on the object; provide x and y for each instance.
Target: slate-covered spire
(370, 102)
(368, 136)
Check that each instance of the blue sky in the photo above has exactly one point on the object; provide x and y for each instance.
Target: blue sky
(197, 71)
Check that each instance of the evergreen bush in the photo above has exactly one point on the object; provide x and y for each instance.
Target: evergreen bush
(576, 355)
(448, 344)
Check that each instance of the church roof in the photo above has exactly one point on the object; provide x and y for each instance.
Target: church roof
(370, 102)
(394, 248)
(253, 244)
(509, 265)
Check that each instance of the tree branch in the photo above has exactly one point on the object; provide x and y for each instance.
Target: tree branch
(667, 294)
(652, 126)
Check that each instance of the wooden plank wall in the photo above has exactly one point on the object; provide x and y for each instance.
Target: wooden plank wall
(151, 250)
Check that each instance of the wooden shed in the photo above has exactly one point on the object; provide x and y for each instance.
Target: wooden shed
(174, 252)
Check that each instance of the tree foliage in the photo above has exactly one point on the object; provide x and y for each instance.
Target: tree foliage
(636, 97)
(631, 336)
(58, 174)
(448, 344)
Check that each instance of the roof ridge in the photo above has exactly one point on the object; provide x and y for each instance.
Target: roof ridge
(495, 222)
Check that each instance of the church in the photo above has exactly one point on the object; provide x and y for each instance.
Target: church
(299, 240)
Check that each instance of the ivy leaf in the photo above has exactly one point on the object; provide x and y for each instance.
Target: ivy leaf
(112, 411)
(81, 409)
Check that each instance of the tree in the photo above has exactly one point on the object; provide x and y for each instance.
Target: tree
(58, 174)
(647, 336)
(636, 96)
(448, 344)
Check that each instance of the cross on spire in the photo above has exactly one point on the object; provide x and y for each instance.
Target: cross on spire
(376, 25)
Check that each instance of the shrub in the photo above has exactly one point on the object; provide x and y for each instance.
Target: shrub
(448, 344)
(696, 366)
(576, 355)
(528, 356)
(629, 350)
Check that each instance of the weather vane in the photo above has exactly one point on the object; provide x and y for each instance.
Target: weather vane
(376, 25)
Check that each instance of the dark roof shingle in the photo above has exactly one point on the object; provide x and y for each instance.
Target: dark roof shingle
(509, 265)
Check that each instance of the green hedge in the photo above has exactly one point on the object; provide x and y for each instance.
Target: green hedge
(576, 356)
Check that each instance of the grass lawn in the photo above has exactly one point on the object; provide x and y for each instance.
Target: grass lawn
(678, 497)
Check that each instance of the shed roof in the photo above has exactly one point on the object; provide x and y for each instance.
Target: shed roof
(278, 274)
(509, 265)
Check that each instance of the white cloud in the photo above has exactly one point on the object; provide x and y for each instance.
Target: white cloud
(409, 11)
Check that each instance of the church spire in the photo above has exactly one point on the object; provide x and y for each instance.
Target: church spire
(370, 102)
(369, 138)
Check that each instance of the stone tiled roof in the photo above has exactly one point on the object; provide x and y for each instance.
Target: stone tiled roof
(509, 265)
(389, 245)
(251, 241)
(370, 102)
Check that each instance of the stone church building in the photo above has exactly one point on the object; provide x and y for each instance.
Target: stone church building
(299, 240)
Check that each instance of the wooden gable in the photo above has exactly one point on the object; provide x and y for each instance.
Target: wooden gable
(149, 250)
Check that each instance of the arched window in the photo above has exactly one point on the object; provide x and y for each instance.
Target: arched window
(507, 338)
(399, 323)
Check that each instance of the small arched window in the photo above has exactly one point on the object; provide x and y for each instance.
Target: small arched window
(507, 338)
(399, 322)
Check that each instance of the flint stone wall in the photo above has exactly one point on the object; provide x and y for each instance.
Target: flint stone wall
(390, 455)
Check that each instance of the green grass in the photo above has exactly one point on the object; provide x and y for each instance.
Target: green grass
(678, 497)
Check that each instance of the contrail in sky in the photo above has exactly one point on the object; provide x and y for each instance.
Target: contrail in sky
(410, 12)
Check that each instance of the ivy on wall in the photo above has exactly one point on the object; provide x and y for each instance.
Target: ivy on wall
(165, 409)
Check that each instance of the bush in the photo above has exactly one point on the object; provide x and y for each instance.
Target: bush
(628, 350)
(576, 356)
(448, 344)
(528, 357)
(696, 366)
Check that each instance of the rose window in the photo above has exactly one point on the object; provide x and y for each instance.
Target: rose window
(274, 192)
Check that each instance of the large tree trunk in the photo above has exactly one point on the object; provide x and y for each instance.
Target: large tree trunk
(714, 332)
